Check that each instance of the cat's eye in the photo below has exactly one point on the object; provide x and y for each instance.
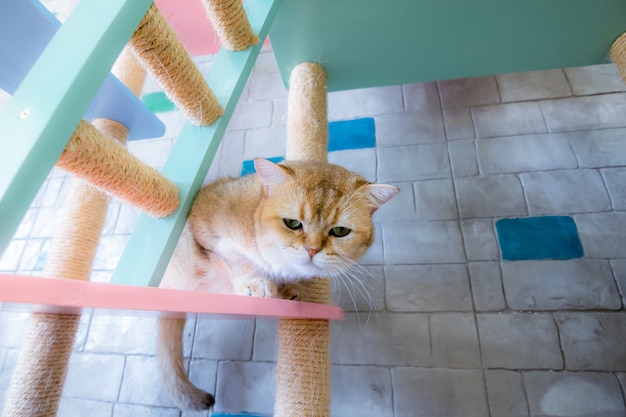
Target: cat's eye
(293, 224)
(339, 231)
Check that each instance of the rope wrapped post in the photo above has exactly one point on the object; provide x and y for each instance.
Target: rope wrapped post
(231, 23)
(91, 155)
(165, 58)
(618, 54)
(303, 363)
(37, 382)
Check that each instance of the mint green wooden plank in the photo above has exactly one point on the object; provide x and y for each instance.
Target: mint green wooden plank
(46, 108)
(153, 240)
(365, 43)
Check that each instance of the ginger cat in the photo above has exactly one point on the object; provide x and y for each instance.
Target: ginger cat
(260, 234)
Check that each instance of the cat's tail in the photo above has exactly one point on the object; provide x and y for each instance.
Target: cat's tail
(172, 368)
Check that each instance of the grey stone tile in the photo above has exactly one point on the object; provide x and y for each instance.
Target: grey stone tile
(363, 391)
(410, 163)
(232, 151)
(557, 285)
(588, 112)
(265, 62)
(360, 161)
(255, 387)
(26, 225)
(525, 153)
(508, 120)
(423, 288)
(10, 258)
(52, 191)
(374, 255)
(203, 374)
(469, 92)
(279, 114)
(35, 254)
(506, 394)
(422, 242)
(615, 180)
(619, 271)
(480, 239)
(10, 362)
(534, 85)
(365, 102)
(454, 341)
(401, 207)
(602, 234)
(80, 381)
(385, 339)
(459, 123)
(13, 328)
(593, 341)
(72, 407)
(265, 340)
(411, 128)
(419, 96)
(264, 142)
(595, 79)
(46, 223)
(463, 158)
(266, 86)
(486, 279)
(251, 115)
(600, 148)
(109, 251)
(130, 410)
(363, 290)
(153, 152)
(622, 380)
(573, 394)
(559, 192)
(493, 196)
(519, 341)
(223, 339)
(126, 219)
(112, 213)
(439, 392)
(115, 333)
(141, 383)
(435, 200)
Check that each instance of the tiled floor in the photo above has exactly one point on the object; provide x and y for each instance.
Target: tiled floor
(440, 325)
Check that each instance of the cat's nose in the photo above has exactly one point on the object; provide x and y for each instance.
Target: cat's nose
(312, 252)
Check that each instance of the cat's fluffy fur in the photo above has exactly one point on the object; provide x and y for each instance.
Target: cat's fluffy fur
(258, 235)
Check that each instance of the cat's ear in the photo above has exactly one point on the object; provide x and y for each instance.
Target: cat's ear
(270, 173)
(379, 194)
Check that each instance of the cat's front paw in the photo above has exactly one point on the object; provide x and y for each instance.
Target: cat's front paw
(257, 287)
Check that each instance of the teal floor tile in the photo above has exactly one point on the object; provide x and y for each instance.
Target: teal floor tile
(535, 238)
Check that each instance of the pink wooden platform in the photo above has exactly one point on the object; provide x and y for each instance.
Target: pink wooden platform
(66, 296)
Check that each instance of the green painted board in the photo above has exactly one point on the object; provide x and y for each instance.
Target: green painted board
(366, 43)
(153, 240)
(47, 106)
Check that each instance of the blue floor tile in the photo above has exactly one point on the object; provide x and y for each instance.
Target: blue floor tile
(534, 238)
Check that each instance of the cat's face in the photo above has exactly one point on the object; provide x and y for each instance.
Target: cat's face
(315, 218)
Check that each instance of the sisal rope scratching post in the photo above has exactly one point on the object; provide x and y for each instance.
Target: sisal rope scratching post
(162, 55)
(37, 382)
(303, 364)
(91, 155)
(230, 21)
(618, 54)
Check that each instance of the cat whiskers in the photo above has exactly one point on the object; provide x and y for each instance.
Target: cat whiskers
(345, 272)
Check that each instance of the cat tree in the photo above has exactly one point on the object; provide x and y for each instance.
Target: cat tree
(102, 166)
